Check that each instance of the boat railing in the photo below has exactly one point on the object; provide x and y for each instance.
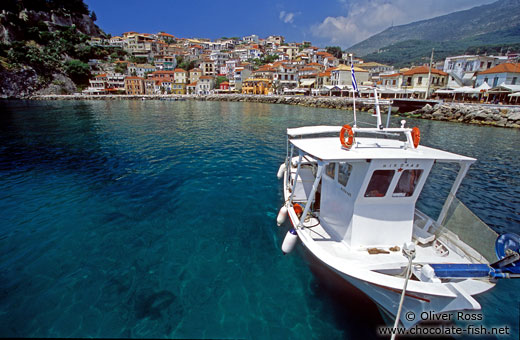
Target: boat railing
(467, 233)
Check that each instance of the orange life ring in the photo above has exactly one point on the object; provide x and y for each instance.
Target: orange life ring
(346, 143)
(416, 136)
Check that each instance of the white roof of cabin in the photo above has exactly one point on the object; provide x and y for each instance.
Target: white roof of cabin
(330, 149)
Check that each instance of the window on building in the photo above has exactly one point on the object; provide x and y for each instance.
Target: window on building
(344, 171)
(419, 81)
(513, 82)
(495, 81)
(489, 64)
(379, 183)
(407, 183)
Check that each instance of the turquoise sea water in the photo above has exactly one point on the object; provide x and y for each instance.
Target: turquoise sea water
(157, 219)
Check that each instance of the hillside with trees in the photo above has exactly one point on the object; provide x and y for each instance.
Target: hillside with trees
(492, 27)
(44, 46)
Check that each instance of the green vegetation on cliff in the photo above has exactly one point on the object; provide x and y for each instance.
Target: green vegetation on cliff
(38, 36)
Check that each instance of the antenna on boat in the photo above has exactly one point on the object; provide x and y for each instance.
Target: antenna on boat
(354, 87)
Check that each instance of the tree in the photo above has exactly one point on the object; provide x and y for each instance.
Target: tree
(121, 68)
(78, 71)
(93, 16)
(335, 51)
(219, 80)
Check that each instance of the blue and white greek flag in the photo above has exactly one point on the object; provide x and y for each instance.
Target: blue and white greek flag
(354, 82)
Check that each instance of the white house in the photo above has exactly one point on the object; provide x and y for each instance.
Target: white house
(462, 69)
(503, 74)
(204, 85)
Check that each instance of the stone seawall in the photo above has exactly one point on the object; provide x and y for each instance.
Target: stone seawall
(323, 102)
(503, 116)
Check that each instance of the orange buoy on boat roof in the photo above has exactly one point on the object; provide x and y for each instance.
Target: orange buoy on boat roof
(350, 134)
(416, 136)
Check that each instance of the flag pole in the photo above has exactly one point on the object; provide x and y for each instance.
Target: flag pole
(353, 89)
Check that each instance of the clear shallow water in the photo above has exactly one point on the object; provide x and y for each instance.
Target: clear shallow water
(157, 219)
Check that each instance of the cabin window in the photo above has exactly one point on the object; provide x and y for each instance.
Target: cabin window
(407, 183)
(344, 173)
(379, 183)
(330, 169)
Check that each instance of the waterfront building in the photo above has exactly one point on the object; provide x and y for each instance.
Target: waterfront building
(240, 74)
(256, 86)
(194, 75)
(503, 74)
(106, 83)
(205, 85)
(149, 85)
(415, 80)
(134, 85)
(224, 86)
(393, 80)
(180, 76)
(463, 69)
(287, 76)
(265, 71)
(163, 75)
(178, 88)
(375, 69)
(341, 76)
(191, 88)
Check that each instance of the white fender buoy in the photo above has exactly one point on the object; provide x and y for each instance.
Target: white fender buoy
(289, 241)
(281, 170)
(282, 215)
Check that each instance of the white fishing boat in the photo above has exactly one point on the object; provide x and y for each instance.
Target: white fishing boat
(351, 199)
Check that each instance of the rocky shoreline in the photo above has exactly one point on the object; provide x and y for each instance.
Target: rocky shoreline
(502, 116)
(496, 115)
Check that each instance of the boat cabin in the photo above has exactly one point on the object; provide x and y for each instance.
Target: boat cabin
(365, 196)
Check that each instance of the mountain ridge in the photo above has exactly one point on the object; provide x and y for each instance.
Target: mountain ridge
(462, 25)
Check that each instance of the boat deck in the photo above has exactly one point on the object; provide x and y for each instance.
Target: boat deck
(425, 253)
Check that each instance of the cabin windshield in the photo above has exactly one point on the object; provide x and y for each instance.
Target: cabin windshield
(379, 183)
(407, 183)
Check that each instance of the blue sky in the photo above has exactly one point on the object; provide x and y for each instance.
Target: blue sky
(324, 23)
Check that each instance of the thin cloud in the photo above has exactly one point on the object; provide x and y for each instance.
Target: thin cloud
(287, 17)
(366, 18)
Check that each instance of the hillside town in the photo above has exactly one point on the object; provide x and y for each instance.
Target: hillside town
(151, 64)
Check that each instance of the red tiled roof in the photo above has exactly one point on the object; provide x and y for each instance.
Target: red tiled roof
(179, 70)
(503, 68)
(206, 77)
(163, 72)
(423, 70)
(390, 75)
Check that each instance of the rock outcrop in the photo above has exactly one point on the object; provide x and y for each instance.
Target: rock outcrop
(504, 116)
